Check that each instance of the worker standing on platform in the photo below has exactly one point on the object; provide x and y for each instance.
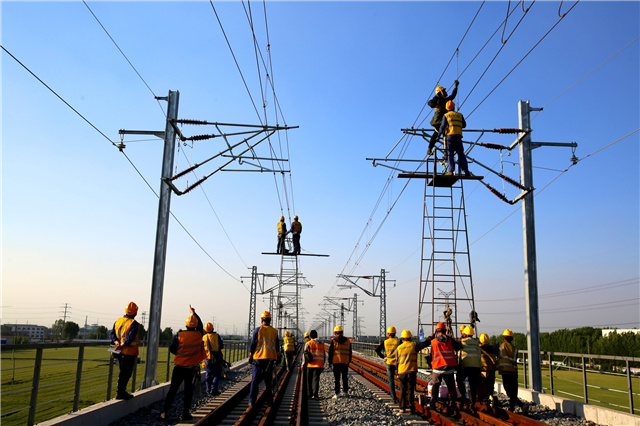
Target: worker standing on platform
(188, 348)
(469, 357)
(125, 336)
(263, 354)
(488, 367)
(444, 362)
(387, 351)
(407, 361)
(296, 230)
(282, 233)
(439, 103)
(314, 360)
(508, 367)
(213, 346)
(289, 349)
(340, 358)
(451, 129)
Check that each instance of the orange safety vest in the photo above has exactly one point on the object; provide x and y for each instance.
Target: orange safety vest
(190, 349)
(508, 360)
(341, 352)
(454, 119)
(211, 342)
(317, 352)
(122, 327)
(390, 346)
(407, 358)
(443, 354)
(266, 343)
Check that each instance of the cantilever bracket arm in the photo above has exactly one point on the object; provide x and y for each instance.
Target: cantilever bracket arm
(353, 283)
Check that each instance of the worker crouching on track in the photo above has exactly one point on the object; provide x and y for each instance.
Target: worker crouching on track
(189, 351)
(469, 357)
(443, 364)
(340, 358)
(263, 355)
(488, 367)
(508, 367)
(387, 351)
(407, 361)
(314, 360)
(214, 361)
(125, 336)
(289, 349)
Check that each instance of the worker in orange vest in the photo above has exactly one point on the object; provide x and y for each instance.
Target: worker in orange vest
(314, 361)
(263, 355)
(340, 358)
(125, 336)
(188, 348)
(444, 363)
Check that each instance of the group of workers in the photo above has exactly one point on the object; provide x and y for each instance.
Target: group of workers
(466, 358)
(197, 345)
(448, 125)
(296, 230)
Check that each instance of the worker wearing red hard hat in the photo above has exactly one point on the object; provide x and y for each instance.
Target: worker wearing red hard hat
(444, 362)
(125, 336)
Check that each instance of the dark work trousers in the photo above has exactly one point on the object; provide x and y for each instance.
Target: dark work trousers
(181, 374)
(487, 381)
(289, 356)
(407, 390)
(341, 370)
(296, 243)
(391, 373)
(473, 373)
(454, 146)
(281, 238)
(127, 362)
(262, 370)
(510, 383)
(437, 378)
(313, 380)
(213, 371)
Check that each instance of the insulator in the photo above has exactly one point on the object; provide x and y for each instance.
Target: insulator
(497, 194)
(512, 182)
(188, 121)
(184, 172)
(194, 185)
(493, 146)
(199, 137)
(509, 130)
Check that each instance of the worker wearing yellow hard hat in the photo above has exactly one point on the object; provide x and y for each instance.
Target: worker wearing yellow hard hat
(508, 367)
(488, 355)
(296, 230)
(314, 356)
(289, 349)
(213, 363)
(387, 351)
(438, 103)
(469, 357)
(282, 233)
(263, 354)
(339, 358)
(451, 129)
(124, 335)
(407, 361)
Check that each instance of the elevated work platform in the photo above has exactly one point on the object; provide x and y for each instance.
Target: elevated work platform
(438, 180)
(295, 255)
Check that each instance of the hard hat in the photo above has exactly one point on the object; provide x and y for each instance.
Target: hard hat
(468, 331)
(338, 328)
(281, 217)
(462, 328)
(191, 321)
(391, 330)
(451, 105)
(406, 334)
(286, 334)
(439, 89)
(306, 334)
(484, 338)
(296, 217)
(441, 326)
(266, 314)
(208, 327)
(131, 309)
(508, 333)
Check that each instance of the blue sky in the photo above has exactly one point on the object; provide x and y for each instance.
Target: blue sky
(78, 221)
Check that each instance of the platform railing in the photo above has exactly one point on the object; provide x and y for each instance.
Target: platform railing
(573, 376)
(46, 380)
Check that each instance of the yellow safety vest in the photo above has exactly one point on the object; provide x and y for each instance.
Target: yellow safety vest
(470, 352)
(289, 344)
(211, 343)
(454, 119)
(407, 358)
(317, 352)
(296, 227)
(266, 343)
(282, 228)
(390, 346)
(190, 349)
(122, 327)
(487, 361)
(508, 360)
(341, 352)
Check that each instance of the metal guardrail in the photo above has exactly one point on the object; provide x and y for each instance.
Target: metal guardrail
(579, 365)
(234, 350)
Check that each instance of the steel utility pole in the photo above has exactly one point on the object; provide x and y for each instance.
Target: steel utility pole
(162, 231)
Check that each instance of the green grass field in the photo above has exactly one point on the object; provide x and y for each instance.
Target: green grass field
(58, 376)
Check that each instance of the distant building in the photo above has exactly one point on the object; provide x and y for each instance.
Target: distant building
(35, 332)
(607, 332)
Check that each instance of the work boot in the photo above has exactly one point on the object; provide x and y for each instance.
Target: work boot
(123, 395)
(525, 408)
(430, 152)
(467, 173)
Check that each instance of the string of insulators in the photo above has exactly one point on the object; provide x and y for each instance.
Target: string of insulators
(184, 172)
(512, 182)
(199, 137)
(509, 130)
(188, 121)
(493, 146)
(194, 185)
(497, 194)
